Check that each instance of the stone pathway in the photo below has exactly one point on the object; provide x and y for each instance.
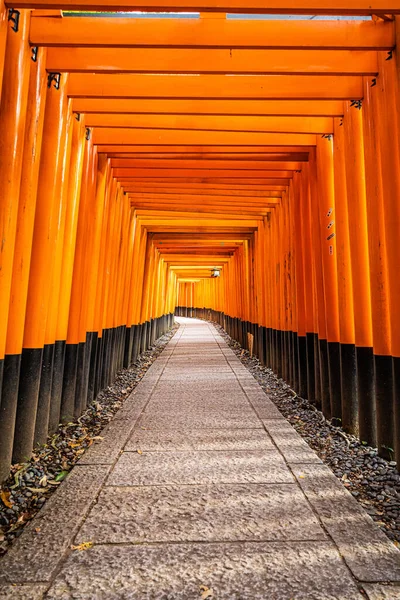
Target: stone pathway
(201, 489)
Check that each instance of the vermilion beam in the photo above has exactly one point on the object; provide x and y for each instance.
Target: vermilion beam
(263, 183)
(216, 173)
(210, 123)
(200, 150)
(310, 7)
(296, 87)
(124, 163)
(323, 108)
(221, 61)
(210, 33)
(217, 138)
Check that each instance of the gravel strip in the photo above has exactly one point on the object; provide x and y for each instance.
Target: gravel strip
(31, 483)
(372, 480)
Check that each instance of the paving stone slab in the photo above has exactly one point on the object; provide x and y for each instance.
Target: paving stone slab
(132, 407)
(203, 421)
(264, 408)
(22, 592)
(189, 405)
(158, 468)
(36, 554)
(198, 439)
(246, 571)
(370, 555)
(290, 443)
(106, 451)
(381, 592)
(201, 513)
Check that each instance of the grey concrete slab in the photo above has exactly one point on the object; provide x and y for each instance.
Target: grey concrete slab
(202, 421)
(35, 555)
(242, 571)
(201, 513)
(105, 451)
(198, 439)
(158, 468)
(22, 592)
(369, 554)
(193, 404)
(381, 592)
(290, 443)
(264, 408)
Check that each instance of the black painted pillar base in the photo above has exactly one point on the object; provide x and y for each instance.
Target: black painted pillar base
(310, 346)
(348, 374)
(28, 393)
(56, 386)
(143, 337)
(137, 334)
(335, 382)
(324, 378)
(384, 396)
(317, 368)
(128, 346)
(69, 383)
(396, 407)
(366, 395)
(92, 366)
(9, 380)
(302, 366)
(43, 407)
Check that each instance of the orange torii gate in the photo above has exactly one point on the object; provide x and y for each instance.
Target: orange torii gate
(138, 156)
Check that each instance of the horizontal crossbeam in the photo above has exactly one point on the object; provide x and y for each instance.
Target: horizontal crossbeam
(296, 87)
(304, 7)
(210, 33)
(221, 61)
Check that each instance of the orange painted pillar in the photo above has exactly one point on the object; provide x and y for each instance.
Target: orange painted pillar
(387, 92)
(22, 256)
(380, 285)
(345, 285)
(327, 216)
(301, 329)
(42, 260)
(309, 298)
(67, 252)
(46, 377)
(321, 350)
(3, 38)
(360, 268)
(13, 112)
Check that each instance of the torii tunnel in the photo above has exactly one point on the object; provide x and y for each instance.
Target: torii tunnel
(225, 164)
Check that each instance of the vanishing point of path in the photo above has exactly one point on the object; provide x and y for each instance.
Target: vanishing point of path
(201, 489)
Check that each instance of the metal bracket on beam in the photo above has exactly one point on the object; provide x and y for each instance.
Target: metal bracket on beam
(356, 104)
(13, 16)
(54, 78)
(87, 136)
(35, 51)
(327, 136)
(374, 82)
(390, 55)
(78, 116)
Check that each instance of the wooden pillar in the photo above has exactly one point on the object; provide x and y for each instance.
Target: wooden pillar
(387, 93)
(327, 216)
(379, 271)
(360, 268)
(44, 236)
(345, 286)
(22, 256)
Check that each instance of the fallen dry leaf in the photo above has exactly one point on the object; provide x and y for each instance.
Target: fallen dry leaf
(206, 592)
(139, 451)
(83, 546)
(5, 498)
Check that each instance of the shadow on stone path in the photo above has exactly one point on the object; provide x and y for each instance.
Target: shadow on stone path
(201, 489)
